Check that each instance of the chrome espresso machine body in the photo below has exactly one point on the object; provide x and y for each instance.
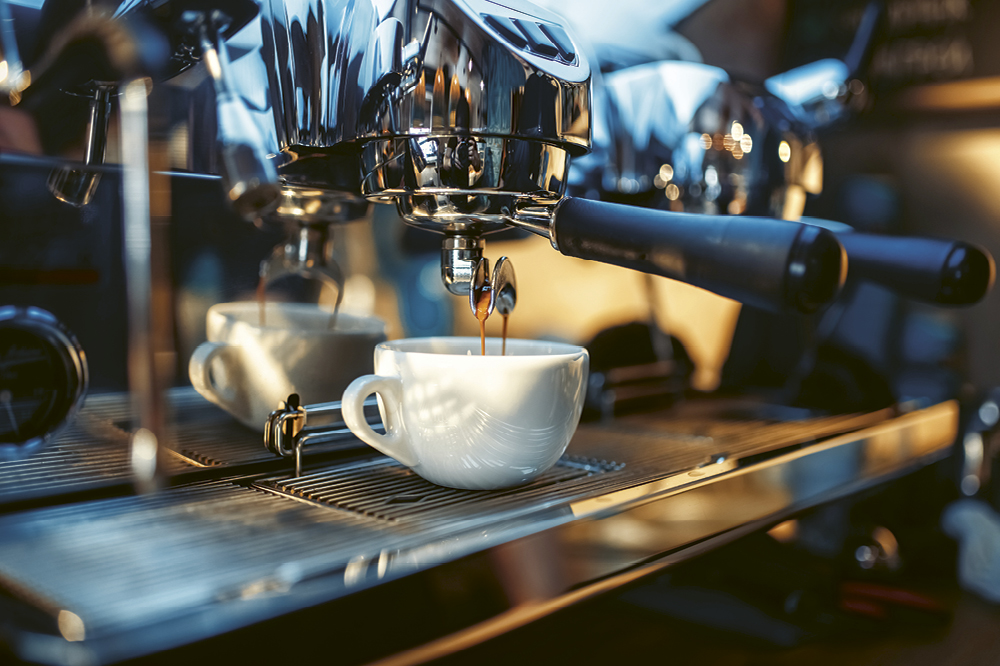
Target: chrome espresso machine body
(466, 116)
(151, 520)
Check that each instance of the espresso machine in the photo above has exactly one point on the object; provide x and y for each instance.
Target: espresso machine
(149, 521)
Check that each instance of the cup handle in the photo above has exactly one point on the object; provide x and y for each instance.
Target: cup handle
(394, 442)
(200, 373)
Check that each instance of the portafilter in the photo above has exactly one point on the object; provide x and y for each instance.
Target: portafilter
(466, 114)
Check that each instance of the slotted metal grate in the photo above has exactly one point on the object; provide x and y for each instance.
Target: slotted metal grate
(386, 490)
(382, 489)
(79, 459)
(129, 565)
(92, 452)
(121, 562)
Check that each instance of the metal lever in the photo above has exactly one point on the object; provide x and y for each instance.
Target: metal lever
(286, 434)
(282, 429)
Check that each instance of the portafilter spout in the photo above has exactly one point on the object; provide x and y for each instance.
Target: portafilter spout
(308, 218)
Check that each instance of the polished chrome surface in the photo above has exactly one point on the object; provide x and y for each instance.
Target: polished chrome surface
(460, 256)
(308, 253)
(92, 452)
(76, 186)
(302, 206)
(282, 429)
(286, 435)
(355, 70)
(480, 289)
(500, 288)
(685, 136)
(306, 215)
(250, 179)
(446, 108)
(202, 559)
(504, 286)
(420, 174)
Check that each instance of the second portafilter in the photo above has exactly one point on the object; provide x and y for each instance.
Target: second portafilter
(308, 218)
(724, 146)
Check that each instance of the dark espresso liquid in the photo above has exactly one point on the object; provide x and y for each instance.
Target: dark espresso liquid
(503, 351)
(482, 313)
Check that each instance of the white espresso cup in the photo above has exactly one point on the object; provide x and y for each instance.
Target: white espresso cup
(464, 420)
(247, 369)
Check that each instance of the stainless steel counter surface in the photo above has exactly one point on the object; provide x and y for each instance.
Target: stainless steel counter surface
(104, 580)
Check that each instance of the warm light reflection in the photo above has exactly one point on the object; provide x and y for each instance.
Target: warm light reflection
(3, 70)
(706, 141)
(666, 172)
(784, 151)
(784, 532)
(70, 626)
(673, 192)
(728, 142)
(746, 143)
(737, 131)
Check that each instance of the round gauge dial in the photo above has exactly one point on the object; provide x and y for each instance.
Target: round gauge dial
(43, 378)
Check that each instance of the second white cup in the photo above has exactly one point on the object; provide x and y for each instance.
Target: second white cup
(248, 368)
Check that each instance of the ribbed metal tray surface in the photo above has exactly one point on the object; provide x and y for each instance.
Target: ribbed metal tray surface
(93, 451)
(122, 562)
(131, 561)
(600, 458)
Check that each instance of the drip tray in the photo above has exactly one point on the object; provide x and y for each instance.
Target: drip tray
(92, 452)
(385, 490)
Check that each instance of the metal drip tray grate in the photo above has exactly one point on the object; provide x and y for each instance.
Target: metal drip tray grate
(202, 435)
(93, 451)
(143, 573)
(386, 490)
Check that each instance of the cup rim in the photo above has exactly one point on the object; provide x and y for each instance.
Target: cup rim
(560, 348)
(369, 324)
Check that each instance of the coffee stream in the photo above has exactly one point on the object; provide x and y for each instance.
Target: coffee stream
(482, 314)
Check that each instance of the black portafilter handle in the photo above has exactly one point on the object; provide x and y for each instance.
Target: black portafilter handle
(941, 271)
(772, 264)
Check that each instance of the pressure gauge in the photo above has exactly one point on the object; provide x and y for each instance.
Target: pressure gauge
(43, 379)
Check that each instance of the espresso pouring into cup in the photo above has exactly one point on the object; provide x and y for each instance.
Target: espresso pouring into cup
(464, 420)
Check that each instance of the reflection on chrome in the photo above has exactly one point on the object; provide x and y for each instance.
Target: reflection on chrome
(689, 130)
